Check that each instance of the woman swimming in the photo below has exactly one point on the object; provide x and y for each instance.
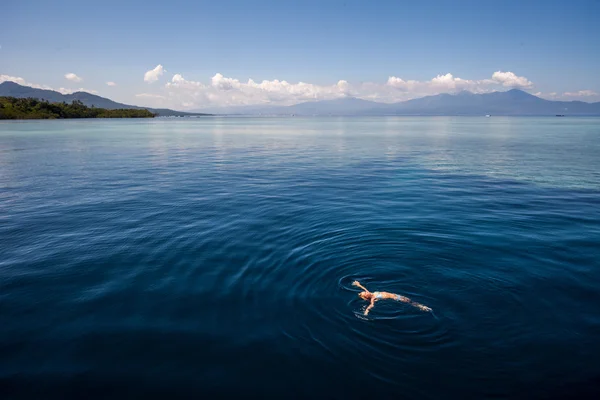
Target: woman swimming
(373, 297)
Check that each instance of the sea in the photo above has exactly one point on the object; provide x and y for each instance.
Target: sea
(196, 257)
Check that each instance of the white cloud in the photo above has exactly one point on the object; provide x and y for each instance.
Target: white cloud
(548, 95)
(227, 91)
(509, 79)
(222, 83)
(439, 84)
(154, 74)
(70, 91)
(157, 100)
(401, 84)
(150, 96)
(343, 85)
(178, 81)
(581, 93)
(448, 83)
(72, 77)
(15, 79)
(219, 90)
(21, 81)
(585, 95)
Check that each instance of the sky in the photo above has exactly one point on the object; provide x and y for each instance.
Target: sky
(190, 55)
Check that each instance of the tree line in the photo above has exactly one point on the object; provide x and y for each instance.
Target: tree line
(30, 108)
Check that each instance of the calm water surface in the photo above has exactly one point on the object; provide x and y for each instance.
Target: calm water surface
(179, 258)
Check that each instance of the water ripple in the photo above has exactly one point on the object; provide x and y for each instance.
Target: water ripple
(214, 256)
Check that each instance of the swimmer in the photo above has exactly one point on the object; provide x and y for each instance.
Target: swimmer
(373, 297)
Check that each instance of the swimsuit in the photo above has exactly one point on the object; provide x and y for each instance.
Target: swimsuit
(379, 296)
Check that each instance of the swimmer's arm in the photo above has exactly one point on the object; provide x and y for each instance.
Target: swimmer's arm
(357, 284)
(373, 300)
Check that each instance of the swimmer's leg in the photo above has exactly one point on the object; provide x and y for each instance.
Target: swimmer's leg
(405, 299)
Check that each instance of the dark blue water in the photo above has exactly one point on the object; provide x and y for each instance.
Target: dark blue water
(187, 258)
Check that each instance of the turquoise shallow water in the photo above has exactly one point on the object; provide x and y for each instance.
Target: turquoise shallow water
(186, 257)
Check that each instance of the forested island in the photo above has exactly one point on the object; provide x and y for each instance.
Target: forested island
(29, 108)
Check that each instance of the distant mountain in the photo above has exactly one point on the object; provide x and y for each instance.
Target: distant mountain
(343, 106)
(512, 102)
(346, 105)
(13, 89)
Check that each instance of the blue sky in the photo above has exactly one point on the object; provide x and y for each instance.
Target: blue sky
(208, 51)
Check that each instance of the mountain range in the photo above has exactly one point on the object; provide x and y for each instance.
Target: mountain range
(511, 102)
(12, 89)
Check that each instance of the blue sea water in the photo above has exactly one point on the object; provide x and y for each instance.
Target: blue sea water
(181, 258)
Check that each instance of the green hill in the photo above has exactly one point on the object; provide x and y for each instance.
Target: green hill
(12, 89)
(29, 108)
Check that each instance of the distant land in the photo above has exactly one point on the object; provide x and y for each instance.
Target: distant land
(30, 108)
(512, 102)
(12, 89)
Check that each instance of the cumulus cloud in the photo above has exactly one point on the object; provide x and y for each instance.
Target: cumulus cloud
(401, 84)
(581, 93)
(150, 96)
(220, 82)
(439, 84)
(73, 77)
(585, 95)
(70, 91)
(219, 90)
(547, 95)
(21, 81)
(153, 75)
(509, 79)
(228, 91)
(178, 81)
(15, 79)
(158, 100)
(343, 85)
(450, 83)
(177, 78)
